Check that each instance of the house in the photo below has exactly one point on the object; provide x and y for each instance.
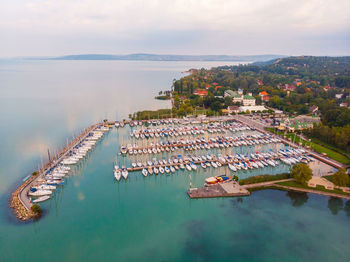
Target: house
(248, 100)
(338, 96)
(313, 109)
(252, 108)
(263, 93)
(201, 92)
(343, 104)
(264, 96)
(289, 87)
(233, 109)
(229, 93)
(237, 98)
(259, 82)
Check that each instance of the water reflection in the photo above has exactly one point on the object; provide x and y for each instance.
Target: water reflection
(335, 205)
(298, 199)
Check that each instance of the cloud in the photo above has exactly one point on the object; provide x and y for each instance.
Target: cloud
(165, 23)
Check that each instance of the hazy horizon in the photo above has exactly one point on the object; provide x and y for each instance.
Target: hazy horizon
(179, 27)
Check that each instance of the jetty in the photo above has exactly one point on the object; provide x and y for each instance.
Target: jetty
(20, 201)
(225, 189)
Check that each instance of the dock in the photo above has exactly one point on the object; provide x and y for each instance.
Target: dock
(225, 189)
(261, 128)
(20, 201)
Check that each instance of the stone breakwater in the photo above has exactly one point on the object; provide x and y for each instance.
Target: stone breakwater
(19, 209)
(19, 200)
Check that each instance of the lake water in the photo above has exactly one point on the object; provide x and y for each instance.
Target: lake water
(94, 218)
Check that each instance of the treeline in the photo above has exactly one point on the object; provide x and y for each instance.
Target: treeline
(149, 114)
(336, 136)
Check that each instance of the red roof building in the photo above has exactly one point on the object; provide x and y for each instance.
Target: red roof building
(201, 92)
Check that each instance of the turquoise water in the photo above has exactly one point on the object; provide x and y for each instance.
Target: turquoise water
(94, 218)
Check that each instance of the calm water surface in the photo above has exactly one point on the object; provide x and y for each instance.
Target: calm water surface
(93, 218)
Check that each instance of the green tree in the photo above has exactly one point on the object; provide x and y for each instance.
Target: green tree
(302, 173)
(340, 178)
(37, 210)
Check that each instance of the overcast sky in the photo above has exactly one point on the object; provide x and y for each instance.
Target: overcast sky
(237, 27)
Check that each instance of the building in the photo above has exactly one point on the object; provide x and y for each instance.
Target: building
(238, 97)
(233, 109)
(264, 96)
(248, 100)
(201, 92)
(313, 109)
(252, 108)
(343, 104)
(338, 96)
(229, 93)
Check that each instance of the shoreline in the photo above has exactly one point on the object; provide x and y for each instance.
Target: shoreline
(21, 203)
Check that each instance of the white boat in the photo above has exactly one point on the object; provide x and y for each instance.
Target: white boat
(188, 167)
(193, 166)
(125, 173)
(45, 187)
(144, 172)
(41, 199)
(172, 169)
(161, 170)
(117, 174)
(232, 167)
(40, 193)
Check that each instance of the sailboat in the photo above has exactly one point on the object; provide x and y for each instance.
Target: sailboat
(144, 172)
(125, 173)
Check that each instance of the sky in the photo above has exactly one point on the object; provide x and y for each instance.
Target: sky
(231, 27)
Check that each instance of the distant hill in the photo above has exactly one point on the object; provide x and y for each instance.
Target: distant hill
(155, 57)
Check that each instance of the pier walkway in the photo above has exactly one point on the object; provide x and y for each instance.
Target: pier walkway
(20, 200)
(225, 189)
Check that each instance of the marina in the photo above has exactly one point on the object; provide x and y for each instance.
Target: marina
(199, 148)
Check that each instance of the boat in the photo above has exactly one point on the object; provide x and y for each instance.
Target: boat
(232, 167)
(117, 174)
(125, 173)
(155, 170)
(41, 199)
(144, 172)
(123, 150)
(40, 193)
(45, 187)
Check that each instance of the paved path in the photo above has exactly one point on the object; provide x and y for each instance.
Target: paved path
(314, 191)
(23, 193)
(268, 183)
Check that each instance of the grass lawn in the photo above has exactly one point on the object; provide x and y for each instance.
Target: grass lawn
(330, 178)
(319, 188)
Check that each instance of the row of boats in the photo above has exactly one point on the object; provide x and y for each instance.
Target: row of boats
(200, 143)
(158, 122)
(54, 177)
(235, 162)
(175, 131)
